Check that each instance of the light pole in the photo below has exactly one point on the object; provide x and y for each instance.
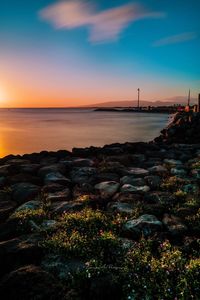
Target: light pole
(138, 98)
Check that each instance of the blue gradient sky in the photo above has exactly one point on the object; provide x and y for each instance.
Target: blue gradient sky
(42, 65)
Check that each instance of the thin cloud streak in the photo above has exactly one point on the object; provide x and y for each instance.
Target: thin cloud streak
(175, 39)
(104, 26)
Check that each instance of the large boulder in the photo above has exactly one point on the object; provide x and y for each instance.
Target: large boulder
(56, 177)
(107, 188)
(6, 208)
(144, 225)
(128, 188)
(24, 192)
(83, 175)
(19, 251)
(30, 283)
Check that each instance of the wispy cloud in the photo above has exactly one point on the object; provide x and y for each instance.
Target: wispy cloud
(175, 39)
(103, 26)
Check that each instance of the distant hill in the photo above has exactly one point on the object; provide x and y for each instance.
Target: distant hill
(164, 102)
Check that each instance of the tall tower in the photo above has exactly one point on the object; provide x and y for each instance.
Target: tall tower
(189, 98)
(138, 98)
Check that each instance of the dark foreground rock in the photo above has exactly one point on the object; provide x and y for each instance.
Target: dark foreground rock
(30, 283)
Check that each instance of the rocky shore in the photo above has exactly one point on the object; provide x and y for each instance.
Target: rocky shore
(117, 222)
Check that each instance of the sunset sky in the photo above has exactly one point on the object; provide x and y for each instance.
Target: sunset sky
(70, 53)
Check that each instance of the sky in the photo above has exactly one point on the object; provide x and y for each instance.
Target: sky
(76, 52)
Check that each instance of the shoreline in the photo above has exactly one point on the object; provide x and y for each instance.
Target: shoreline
(95, 210)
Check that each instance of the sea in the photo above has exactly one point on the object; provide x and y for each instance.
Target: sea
(35, 129)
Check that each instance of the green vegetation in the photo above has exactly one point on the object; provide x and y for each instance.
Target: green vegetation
(25, 217)
(172, 183)
(86, 234)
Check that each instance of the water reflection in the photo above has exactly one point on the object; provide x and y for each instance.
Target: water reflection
(33, 130)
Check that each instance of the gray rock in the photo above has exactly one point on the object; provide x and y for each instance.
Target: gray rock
(48, 225)
(132, 180)
(55, 168)
(22, 250)
(29, 168)
(196, 173)
(62, 268)
(145, 224)
(190, 188)
(158, 170)
(32, 205)
(172, 162)
(121, 207)
(66, 206)
(4, 170)
(137, 172)
(30, 282)
(83, 162)
(56, 177)
(64, 195)
(128, 188)
(153, 181)
(179, 172)
(107, 188)
(83, 175)
(24, 192)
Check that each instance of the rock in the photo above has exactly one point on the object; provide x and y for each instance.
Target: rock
(83, 162)
(52, 188)
(65, 206)
(83, 189)
(29, 168)
(178, 172)
(196, 173)
(153, 181)
(5, 195)
(19, 251)
(6, 208)
(23, 177)
(56, 177)
(121, 207)
(107, 188)
(190, 188)
(83, 175)
(16, 161)
(2, 181)
(24, 192)
(107, 177)
(128, 188)
(174, 225)
(62, 268)
(4, 170)
(138, 158)
(163, 198)
(145, 224)
(137, 172)
(132, 180)
(64, 195)
(128, 198)
(32, 205)
(30, 283)
(172, 162)
(55, 168)
(159, 170)
(48, 225)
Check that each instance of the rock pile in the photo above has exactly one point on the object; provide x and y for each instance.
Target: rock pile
(184, 129)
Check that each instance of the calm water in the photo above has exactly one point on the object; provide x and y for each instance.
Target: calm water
(33, 130)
